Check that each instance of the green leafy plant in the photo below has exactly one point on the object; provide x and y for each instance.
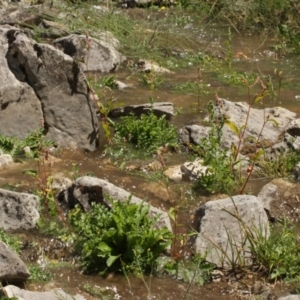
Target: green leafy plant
(220, 175)
(39, 274)
(195, 270)
(151, 79)
(148, 132)
(34, 141)
(121, 239)
(11, 241)
(197, 88)
(106, 81)
(277, 255)
(278, 165)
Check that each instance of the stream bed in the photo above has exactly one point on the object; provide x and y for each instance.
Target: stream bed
(250, 54)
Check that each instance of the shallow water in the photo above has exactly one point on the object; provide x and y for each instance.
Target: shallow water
(250, 54)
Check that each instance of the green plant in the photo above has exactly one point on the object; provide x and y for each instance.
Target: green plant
(148, 132)
(151, 78)
(34, 142)
(8, 298)
(278, 165)
(277, 255)
(11, 241)
(121, 239)
(103, 293)
(229, 52)
(197, 88)
(220, 175)
(39, 274)
(106, 81)
(195, 270)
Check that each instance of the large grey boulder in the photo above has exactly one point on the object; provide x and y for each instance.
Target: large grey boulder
(20, 108)
(222, 225)
(237, 112)
(86, 190)
(18, 210)
(12, 268)
(56, 294)
(68, 113)
(95, 55)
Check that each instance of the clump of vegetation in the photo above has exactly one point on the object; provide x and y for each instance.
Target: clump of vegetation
(105, 81)
(15, 147)
(220, 175)
(39, 274)
(195, 270)
(11, 241)
(151, 79)
(279, 165)
(121, 239)
(277, 255)
(148, 132)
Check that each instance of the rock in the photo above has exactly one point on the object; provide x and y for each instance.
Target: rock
(292, 134)
(18, 210)
(296, 171)
(52, 29)
(56, 294)
(221, 235)
(283, 201)
(60, 182)
(149, 66)
(5, 159)
(12, 268)
(193, 170)
(267, 194)
(90, 189)
(158, 108)
(174, 173)
(20, 108)
(289, 297)
(29, 15)
(261, 289)
(237, 112)
(121, 85)
(187, 171)
(68, 115)
(191, 134)
(95, 55)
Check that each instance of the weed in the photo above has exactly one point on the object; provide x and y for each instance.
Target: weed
(8, 298)
(278, 255)
(123, 237)
(46, 193)
(17, 148)
(229, 53)
(11, 241)
(194, 271)
(151, 79)
(39, 274)
(279, 165)
(148, 132)
(197, 88)
(105, 81)
(98, 292)
(220, 175)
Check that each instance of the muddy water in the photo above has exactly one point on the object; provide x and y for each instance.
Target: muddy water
(251, 54)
